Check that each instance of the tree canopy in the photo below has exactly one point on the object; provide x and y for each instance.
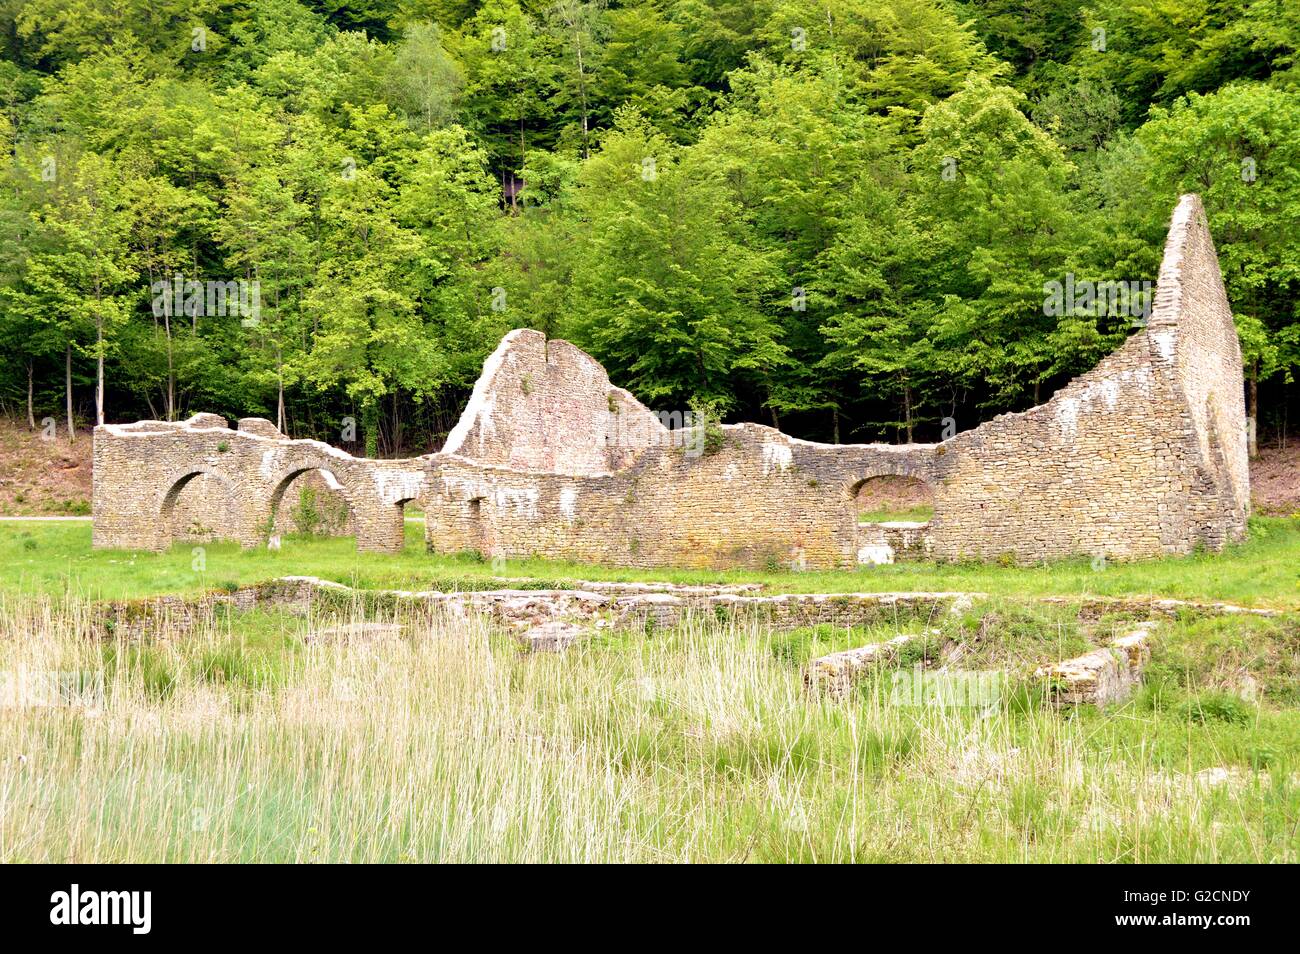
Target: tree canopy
(840, 218)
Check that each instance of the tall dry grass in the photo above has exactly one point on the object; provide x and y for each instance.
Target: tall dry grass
(238, 741)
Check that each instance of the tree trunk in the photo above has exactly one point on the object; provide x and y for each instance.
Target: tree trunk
(397, 422)
(67, 388)
(582, 89)
(523, 159)
(279, 378)
(31, 411)
(370, 426)
(171, 370)
(99, 369)
(835, 425)
(907, 410)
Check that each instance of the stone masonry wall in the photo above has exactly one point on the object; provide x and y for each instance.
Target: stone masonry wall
(547, 406)
(141, 471)
(1121, 462)
(1142, 456)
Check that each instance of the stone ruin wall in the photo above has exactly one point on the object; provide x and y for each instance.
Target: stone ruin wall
(142, 471)
(203, 508)
(763, 499)
(1192, 320)
(1122, 461)
(547, 406)
(1142, 456)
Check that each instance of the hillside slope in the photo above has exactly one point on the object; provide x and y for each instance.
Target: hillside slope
(43, 477)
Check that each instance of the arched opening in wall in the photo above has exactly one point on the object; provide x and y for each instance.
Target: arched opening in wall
(891, 498)
(893, 518)
(310, 502)
(198, 508)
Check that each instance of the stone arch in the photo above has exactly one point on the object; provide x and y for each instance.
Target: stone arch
(175, 485)
(901, 527)
(902, 468)
(287, 478)
(893, 497)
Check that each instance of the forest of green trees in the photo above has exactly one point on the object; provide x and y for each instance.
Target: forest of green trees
(837, 216)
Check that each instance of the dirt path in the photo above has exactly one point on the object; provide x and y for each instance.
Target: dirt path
(1275, 480)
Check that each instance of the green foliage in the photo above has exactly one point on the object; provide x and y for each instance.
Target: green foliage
(1215, 707)
(306, 515)
(706, 416)
(840, 218)
(1240, 148)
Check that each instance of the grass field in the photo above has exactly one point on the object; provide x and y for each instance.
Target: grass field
(56, 558)
(242, 742)
(261, 737)
(921, 512)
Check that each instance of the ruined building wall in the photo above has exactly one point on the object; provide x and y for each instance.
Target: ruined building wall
(141, 471)
(762, 499)
(1122, 461)
(1195, 342)
(548, 406)
(1089, 472)
(1142, 456)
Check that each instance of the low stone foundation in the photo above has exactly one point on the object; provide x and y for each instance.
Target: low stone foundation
(894, 542)
(617, 605)
(836, 673)
(1101, 677)
(620, 605)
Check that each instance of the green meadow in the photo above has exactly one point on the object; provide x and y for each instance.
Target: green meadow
(56, 558)
(271, 736)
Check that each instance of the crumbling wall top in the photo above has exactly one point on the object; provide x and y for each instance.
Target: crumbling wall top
(548, 406)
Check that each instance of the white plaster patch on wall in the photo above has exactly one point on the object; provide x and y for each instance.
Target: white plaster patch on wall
(876, 553)
(328, 449)
(731, 472)
(1109, 392)
(1164, 342)
(487, 426)
(569, 503)
(1067, 416)
(481, 401)
(270, 459)
(776, 457)
(1106, 391)
(398, 485)
(523, 500)
(464, 488)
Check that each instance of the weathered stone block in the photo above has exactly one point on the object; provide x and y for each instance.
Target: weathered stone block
(1101, 677)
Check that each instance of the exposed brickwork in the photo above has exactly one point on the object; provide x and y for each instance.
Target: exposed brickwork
(1143, 456)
